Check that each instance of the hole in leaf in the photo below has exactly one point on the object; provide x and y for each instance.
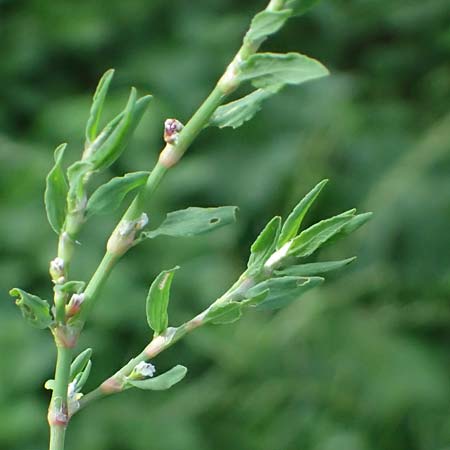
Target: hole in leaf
(214, 220)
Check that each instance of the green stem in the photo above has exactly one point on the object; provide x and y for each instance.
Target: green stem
(94, 287)
(58, 414)
(115, 383)
(169, 156)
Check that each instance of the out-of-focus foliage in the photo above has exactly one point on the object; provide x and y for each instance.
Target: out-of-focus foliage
(361, 363)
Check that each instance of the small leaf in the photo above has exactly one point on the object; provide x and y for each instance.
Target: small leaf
(55, 196)
(116, 142)
(268, 69)
(97, 105)
(193, 221)
(49, 385)
(281, 291)
(265, 243)
(80, 363)
(266, 23)
(158, 301)
(309, 240)
(299, 7)
(224, 314)
(76, 174)
(295, 218)
(254, 301)
(35, 310)
(234, 114)
(71, 287)
(356, 222)
(304, 270)
(162, 382)
(83, 376)
(108, 197)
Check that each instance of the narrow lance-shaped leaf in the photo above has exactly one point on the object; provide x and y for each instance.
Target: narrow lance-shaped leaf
(305, 270)
(80, 363)
(35, 310)
(281, 291)
(266, 23)
(268, 69)
(356, 222)
(56, 192)
(309, 240)
(295, 218)
(97, 105)
(83, 376)
(234, 114)
(264, 244)
(158, 301)
(224, 314)
(110, 127)
(108, 197)
(113, 146)
(161, 382)
(299, 7)
(193, 221)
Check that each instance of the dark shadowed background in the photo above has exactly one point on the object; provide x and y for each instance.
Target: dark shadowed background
(359, 364)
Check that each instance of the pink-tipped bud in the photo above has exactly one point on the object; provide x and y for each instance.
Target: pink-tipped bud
(74, 304)
(172, 128)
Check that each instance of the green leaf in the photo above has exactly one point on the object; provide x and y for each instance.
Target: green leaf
(80, 363)
(193, 221)
(304, 270)
(116, 142)
(281, 291)
(76, 174)
(83, 376)
(268, 69)
(266, 23)
(224, 314)
(56, 192)
(234, 114)
(295, 218)
(309, 240)
(71, 287)
(299, 7)
(356, 222)
(162, 382)
(158, 301)
(35, 310)
(264, 244)
(108, 197)
(255, 300)
(97, 105)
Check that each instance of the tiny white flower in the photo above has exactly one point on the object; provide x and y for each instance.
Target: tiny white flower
(144, 369)
(57, 268)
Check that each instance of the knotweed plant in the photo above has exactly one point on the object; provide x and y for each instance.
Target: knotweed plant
(277, 271)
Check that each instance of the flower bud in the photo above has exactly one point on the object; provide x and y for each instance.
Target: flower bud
(57, 269)
(74, 304)
(172, 128)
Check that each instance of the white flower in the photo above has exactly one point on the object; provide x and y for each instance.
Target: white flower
(146, 370)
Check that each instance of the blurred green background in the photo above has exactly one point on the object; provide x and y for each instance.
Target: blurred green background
(359, 364)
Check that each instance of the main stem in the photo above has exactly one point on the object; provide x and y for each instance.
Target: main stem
(170, 155)
(58, 414)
